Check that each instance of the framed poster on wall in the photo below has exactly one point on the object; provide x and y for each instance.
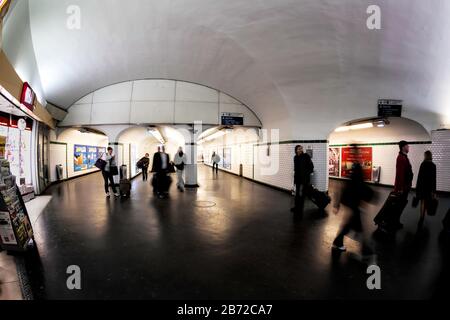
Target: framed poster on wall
(80, 158)
(84, 157)
(226, 158)
(334, 159)
(363, 155)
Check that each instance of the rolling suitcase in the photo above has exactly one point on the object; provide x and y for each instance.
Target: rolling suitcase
(123, 172)
(391, 211)
(125, 188)
(319, 198)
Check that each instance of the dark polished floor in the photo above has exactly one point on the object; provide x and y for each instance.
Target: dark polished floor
(229, 239)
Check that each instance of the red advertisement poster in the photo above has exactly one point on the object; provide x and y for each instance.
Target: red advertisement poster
(363, 155)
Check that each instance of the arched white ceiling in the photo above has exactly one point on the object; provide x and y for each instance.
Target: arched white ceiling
(304, 66)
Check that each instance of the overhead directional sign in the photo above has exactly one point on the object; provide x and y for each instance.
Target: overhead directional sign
(390, 108)
(232, 119)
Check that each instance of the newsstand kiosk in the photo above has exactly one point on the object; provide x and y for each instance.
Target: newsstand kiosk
(16, 233)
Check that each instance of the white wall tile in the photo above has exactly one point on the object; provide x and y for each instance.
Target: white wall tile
(188, 112)
(152, 112)
(78, 114)
(154, 90)
(110, 112)
(193, 92)
(115, 93)
(441, 157)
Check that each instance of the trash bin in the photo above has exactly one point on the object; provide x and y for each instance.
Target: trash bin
(59, 172)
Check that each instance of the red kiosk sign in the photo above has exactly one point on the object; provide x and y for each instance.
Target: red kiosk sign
(28, 96)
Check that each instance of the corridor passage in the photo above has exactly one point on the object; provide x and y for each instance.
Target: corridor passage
(229, 239)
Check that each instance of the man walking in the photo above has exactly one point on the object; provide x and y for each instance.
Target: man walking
(160, 168)
(303, 167)
(403, 179)
(144, 163)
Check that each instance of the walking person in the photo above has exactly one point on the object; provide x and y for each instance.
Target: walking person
(403, 180)
(109, 171)
(180, 161)
(354, 192)
(303, 167)
(143, 164)
(426, 185)
(215, 159)
(160, 167)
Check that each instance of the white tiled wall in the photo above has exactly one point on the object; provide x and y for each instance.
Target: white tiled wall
(441, 157)
(275, 169)
(283, 178)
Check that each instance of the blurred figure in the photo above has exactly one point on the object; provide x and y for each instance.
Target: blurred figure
(303, 167)
(215, 159)
(426, 185)
(160, 169)
(180, 161)
(354, 192)
(143, 164)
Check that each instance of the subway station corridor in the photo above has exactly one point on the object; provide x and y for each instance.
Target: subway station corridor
(229, 239)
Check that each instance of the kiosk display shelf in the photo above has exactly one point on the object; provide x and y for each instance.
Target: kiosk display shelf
(16, 232)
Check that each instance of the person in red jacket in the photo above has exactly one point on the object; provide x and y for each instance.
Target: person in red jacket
(403, 179)
(404, 174)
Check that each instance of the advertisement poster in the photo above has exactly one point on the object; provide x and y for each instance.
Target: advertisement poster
(226, 158)
(363, 155)
(84, 157)
(80, 158)
(334, 158)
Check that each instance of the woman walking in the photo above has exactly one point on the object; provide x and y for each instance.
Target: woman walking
(426, 185)
(109, 171)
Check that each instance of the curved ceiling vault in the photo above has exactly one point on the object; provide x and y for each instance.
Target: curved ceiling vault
(302, 65)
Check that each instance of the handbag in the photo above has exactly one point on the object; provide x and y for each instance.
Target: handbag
(170, 168)
(432, 207)
(100, 163)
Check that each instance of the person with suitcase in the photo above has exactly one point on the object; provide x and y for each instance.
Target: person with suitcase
(109, 171)
(426, 186)
(303, 167)
(388, 219)
(354, 192)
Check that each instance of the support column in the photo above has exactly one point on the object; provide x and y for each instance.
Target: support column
(191, 168)
(190, 134)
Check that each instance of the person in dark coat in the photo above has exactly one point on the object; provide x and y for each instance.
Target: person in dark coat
(160, 167)
(144, 163)
(303, 167)
(426, 184)
(354, 192)
(403, 178)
